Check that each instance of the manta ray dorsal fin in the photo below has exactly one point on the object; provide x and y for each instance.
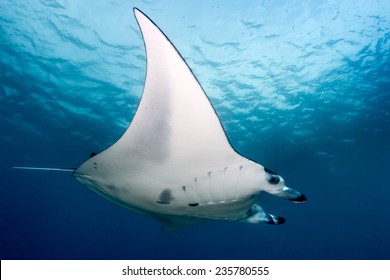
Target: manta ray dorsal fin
(175, 121)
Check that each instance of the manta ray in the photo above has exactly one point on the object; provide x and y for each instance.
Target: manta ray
(174, 162)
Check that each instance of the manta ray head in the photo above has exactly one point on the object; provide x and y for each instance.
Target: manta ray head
(275, 184)
(88, 181)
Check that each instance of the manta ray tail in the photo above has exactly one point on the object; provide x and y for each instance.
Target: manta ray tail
(44, 168)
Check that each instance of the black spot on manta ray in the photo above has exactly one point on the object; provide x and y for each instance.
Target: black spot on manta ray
(193, 204)
(165, 197)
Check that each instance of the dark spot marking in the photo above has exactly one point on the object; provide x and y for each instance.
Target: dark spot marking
(193, 204)
(95, 167)
(94, 163)
(92, 154)
(165, 197)
(184, 188)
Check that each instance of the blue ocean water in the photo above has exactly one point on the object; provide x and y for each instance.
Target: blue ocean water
(302, 87)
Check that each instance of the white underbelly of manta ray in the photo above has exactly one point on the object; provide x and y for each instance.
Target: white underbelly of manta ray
(174, 162)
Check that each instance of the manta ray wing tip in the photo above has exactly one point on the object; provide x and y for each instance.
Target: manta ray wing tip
(137, 11)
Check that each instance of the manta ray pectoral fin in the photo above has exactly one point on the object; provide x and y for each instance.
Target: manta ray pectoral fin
(256, 215)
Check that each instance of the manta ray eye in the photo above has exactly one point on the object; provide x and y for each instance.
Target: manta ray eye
(274, 179)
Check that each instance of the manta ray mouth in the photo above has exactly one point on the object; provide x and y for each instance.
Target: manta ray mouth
(85, 179)
(91, 183)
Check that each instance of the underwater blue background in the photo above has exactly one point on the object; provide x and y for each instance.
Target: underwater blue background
(302, 87)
